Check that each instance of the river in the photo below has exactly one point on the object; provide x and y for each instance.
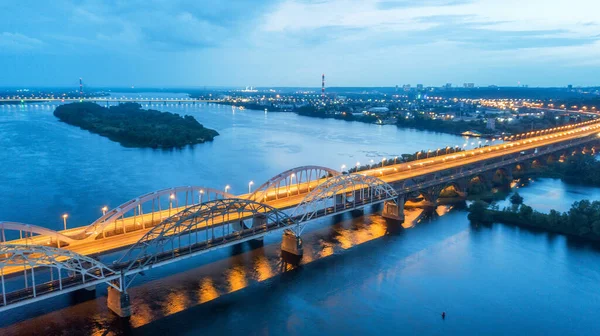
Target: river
(358, 275)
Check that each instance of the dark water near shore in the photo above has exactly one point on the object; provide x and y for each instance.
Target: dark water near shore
(359, 275)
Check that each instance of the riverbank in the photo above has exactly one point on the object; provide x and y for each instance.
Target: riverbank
(582, 220)
(581, 169)
(132, 126)
(417, 121)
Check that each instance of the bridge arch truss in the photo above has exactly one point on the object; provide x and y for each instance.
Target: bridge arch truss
(73, 272)
(161, 204)
(342, 193)
(202, 227)
(292, 182)
(29, 232)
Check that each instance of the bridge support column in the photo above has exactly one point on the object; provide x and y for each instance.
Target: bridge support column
(258, 221)
(291, 247)
(118, 302)
(394, 210)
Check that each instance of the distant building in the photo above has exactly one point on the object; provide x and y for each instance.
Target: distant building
(420, 87)
(471, 133)
(378, 110)
(469, 85)
(448, 86)
(396, 88)
(491, 124)
(570, 87)
(406, 87)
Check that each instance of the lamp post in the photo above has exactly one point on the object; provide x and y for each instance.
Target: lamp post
(171, 198)
(342, 168)
(357, 165)
(383, 162)
(64, 217)
(227, 187)
(250, 186)
(104, 209)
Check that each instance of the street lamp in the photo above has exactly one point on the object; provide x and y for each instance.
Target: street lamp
(372, 163)
(171, 198)
(395, 159)
(357, 165)
(65, 220)
(104, 209)
(227, 187)
(383, 161)
(250, 186)
(343, 167)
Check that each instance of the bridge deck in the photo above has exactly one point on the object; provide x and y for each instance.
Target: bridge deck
(389, 174)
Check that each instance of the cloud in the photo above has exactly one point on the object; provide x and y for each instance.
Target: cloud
(283, 41)
(18, 42)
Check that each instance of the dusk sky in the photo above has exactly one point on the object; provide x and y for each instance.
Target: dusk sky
(166, 43)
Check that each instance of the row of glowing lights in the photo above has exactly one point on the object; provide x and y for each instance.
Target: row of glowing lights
(489, 149)
(104, 209)
(96, 98)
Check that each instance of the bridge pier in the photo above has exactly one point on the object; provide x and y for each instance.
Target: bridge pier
(291, 247)
(118, 302)
(394, 210)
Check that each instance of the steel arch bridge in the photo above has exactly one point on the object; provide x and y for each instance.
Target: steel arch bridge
(191, 194)
(31, 231)
(342, 193)
(73, 272)
(292, 182)
(199, 228)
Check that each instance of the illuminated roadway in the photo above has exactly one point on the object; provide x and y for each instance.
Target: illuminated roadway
(389, 174)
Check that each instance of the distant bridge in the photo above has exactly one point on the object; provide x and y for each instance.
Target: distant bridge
(157, 230)
(107, 100)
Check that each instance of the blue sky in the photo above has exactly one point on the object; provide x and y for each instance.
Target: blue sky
(166, 43)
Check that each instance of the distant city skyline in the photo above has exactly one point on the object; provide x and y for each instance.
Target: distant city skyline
(290, 43)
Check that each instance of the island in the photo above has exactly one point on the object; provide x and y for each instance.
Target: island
(132, 126)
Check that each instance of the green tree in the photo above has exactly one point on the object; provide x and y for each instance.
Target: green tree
(516, 198)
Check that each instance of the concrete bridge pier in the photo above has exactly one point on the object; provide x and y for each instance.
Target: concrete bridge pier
(394, 211)
(259, 220)
(118, 302)
(291, 247)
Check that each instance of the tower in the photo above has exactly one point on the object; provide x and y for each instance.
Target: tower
(323, 86)
(80, 87)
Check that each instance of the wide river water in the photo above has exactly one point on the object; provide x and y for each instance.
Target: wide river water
(358, 275)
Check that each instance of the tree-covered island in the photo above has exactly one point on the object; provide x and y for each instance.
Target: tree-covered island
(132, 126)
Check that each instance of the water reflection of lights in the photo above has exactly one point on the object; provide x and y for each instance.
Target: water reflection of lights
(176, 301)
(207, 291)
(237, 278)
(263, 269)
